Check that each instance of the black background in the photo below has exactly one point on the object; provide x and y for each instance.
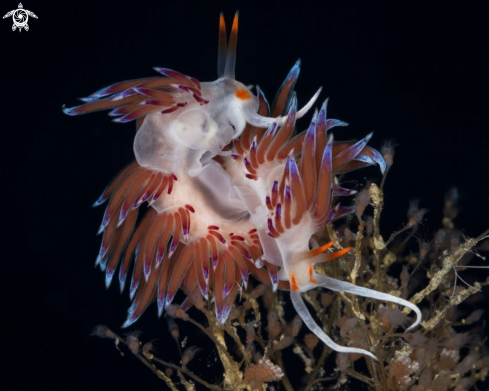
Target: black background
(410, 71)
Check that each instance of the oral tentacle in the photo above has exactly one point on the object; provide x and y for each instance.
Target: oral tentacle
(343, 286)
(304, 313)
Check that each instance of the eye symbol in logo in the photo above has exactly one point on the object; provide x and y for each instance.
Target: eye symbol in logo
(20, 16)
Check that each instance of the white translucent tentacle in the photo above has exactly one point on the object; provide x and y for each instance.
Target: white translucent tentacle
(259, 121)
(343, 286)
(309, 104)
(304, 313)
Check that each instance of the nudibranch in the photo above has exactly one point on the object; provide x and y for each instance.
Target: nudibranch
(232, 190)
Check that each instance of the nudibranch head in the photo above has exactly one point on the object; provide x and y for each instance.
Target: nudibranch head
(233, 191)
(230, 103)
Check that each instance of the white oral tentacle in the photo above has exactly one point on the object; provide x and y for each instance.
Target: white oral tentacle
(343, 286)
(304, 313)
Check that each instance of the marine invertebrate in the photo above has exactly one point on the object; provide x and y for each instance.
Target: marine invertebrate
(232, 191)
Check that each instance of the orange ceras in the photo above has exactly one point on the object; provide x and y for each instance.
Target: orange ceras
(311, 271)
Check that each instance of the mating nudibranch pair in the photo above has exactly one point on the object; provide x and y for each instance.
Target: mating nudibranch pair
(232, 191)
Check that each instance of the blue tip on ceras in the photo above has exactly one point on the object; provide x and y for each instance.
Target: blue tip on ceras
(130, 318)
(228, 305)
(169, 298)
(220, 313)
(274, 279)
(100, 201)
(109, 273)
(326, 161)
(102, 92)
(352, 152)
(69, 110)
(294, 72)
(133, 288)
(290, 79)
(161, 306)
(146, 266)
(323, 122)
(376, 157)
(134, 283)
(122, 278)
(87, 100)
